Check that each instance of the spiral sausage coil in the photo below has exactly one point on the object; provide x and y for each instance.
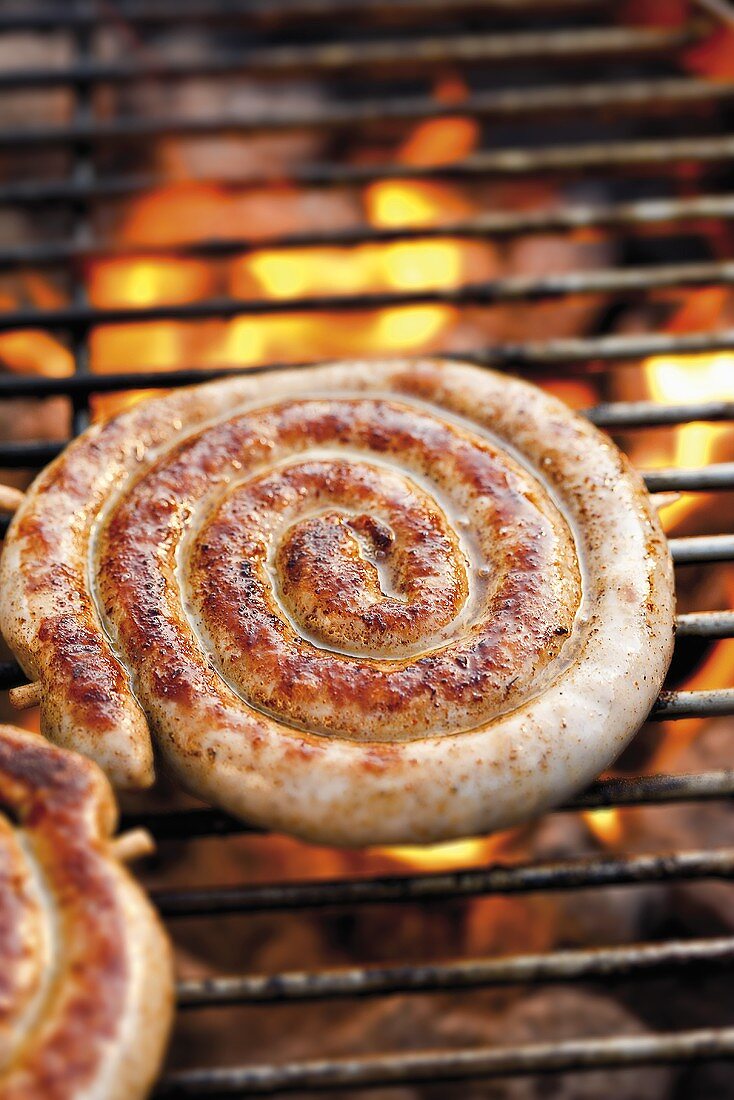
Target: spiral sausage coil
(365, 603)
(85, 980)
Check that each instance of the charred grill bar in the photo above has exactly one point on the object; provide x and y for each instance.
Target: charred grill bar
(85, 134)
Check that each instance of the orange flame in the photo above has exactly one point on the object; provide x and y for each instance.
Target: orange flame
(606, 825)
(714, 57)
(451, 854)
(714, 672)
(33, 351)
(677, 380)
(190, 211)
(691, 378)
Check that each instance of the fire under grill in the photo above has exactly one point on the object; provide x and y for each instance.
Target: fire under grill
(420, 36)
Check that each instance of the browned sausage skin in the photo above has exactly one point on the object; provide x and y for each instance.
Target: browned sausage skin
(367, 602)
(85, 980)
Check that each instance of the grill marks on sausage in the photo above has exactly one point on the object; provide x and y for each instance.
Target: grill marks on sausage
(252, 604)
(158, 487)
(19, 977)
(65, 810)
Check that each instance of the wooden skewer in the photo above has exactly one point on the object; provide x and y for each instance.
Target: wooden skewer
(132, 845)
(664, 500)
(10, 499)
(25, 696)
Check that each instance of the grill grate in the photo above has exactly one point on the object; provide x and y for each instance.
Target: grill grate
(687, 1046)
(87, 135)
(470, 49)
(488, 225)
(45, 17)
(82, 315)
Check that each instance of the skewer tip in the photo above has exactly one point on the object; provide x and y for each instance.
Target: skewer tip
(25, 696)
(664, 500)
(10, 498)
(132, 845)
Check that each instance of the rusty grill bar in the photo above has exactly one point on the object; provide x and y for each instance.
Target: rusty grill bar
(87, 134)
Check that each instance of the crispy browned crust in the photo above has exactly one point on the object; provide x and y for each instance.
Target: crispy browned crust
(366, 602)
(328, 586)
(85, 968)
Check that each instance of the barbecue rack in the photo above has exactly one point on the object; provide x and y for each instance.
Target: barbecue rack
(570, 34)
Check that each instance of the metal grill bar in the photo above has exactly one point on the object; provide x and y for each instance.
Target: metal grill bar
(646, 790)
(604, 349)
(405, 53)
(546, 354)
(514, 879)
(389, 1069)
(702, 548)
(500, 162)
(634, 961)
(648, 414)
(655, 790)
(491, 225)
(716, 476)
(693, 704)
(489, 293)
(562, 160)
(257, 11)
(706, 624)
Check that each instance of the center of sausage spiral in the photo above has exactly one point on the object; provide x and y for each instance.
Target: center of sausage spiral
(359, 557)
(357, 567)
